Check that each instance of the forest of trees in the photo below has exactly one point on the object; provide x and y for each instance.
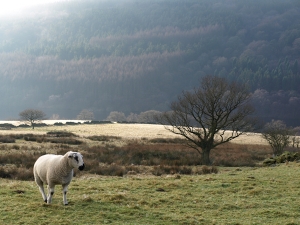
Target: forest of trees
(133, 56)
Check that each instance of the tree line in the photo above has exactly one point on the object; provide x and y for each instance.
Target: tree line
(138, 56)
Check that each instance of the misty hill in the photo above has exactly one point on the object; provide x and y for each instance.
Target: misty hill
(132, 56)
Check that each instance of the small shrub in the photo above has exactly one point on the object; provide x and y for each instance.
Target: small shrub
(36, 138)
(18, 136)
(103, 138)
(58, 124)
(160, 170)
(132, 169)
(209, 169)
(40, 125)
(3, 147)
(284, 157)
(269, 161)
(17, 147)
(185, 170)
(24, 125)
(72, 123)
(60, 134)
(24, 174)
(6, 126)
(7, 139)
(69, 141)
(4, 173)
(92, 165)
(159, 140)
(16, 173)
(64, 147)
(167, 140)
(18, 159)
(111, 170)
(97, 122)
(31, 137)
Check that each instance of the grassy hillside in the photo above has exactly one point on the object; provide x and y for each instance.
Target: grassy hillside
(233, 196)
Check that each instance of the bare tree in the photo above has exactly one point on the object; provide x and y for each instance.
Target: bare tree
(295, 139)
(116, 116)
(54, 117)
(295, 142)
(85, 115)
(132, 118)
(277, 135)
(32, 116)
(204, 114)
(144, 117)
(148, 116)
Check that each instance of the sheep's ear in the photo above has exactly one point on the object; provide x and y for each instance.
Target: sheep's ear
(70, 154)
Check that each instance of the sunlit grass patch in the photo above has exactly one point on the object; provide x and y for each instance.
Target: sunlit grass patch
(250, 196)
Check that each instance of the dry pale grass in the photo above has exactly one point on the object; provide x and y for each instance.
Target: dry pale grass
(130, 131)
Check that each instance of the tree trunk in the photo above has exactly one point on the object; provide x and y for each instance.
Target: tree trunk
(205, 157)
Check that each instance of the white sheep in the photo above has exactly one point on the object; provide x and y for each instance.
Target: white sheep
(56, 169)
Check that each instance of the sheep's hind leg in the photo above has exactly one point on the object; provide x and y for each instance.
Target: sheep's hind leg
(50, 193)
(43, 193)
(65, 190)
(41, 188)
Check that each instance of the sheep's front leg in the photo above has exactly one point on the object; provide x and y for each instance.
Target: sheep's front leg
(65, 190)
(50, 193)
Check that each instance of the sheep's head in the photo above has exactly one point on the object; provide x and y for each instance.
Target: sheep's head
(76, 160)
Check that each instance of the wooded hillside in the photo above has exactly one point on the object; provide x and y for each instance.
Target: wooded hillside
(132, 56)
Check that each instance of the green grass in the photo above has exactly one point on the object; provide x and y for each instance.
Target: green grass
(267, 195)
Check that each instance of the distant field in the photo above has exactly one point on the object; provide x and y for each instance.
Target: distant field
(131, 131)
(112, 149)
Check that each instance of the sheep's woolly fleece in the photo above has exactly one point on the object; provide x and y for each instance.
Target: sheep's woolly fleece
(56, 169)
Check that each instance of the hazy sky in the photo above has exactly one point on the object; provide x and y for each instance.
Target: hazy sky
(15, 7)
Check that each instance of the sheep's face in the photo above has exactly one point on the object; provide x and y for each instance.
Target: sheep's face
(76, 160)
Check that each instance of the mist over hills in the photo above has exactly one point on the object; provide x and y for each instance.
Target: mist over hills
(132, 56)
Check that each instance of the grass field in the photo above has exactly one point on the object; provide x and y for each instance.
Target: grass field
(234, 195)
